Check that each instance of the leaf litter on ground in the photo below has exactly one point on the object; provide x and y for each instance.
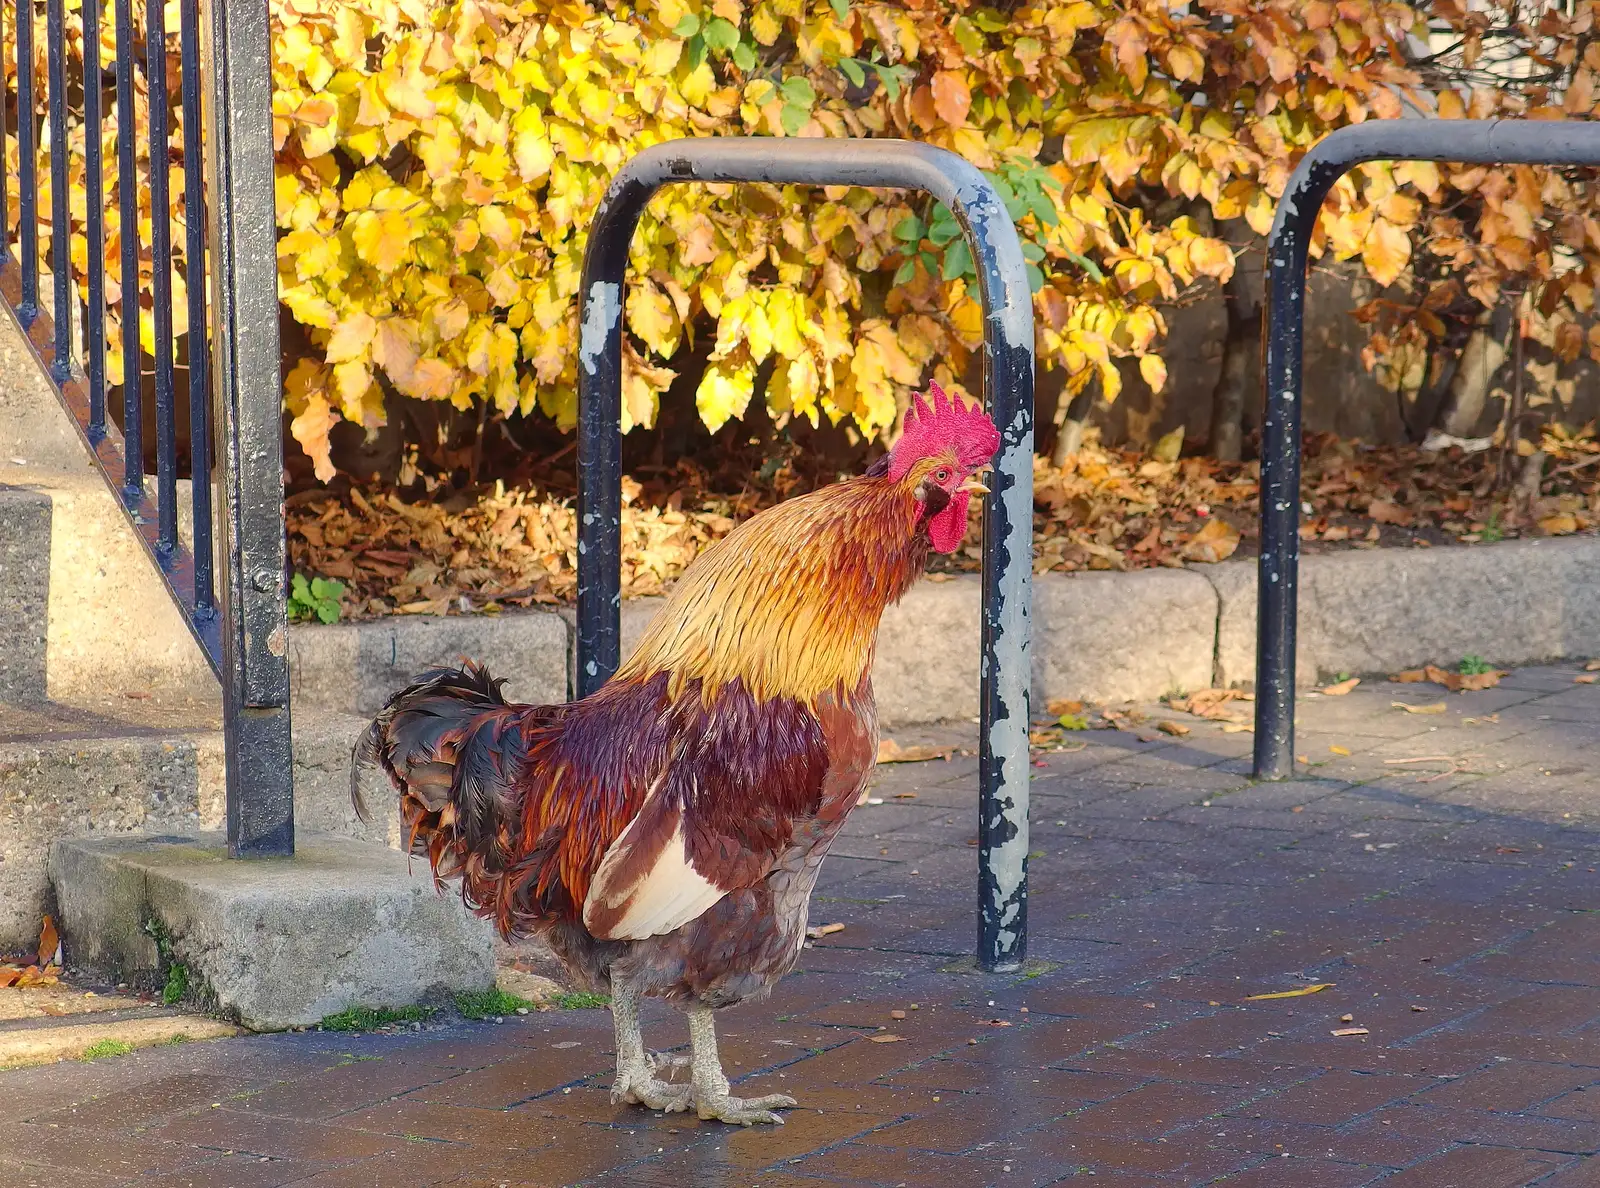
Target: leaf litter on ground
(443, 551)
(44, 969)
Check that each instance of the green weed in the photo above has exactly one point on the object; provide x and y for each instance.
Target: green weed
(320, 598)
(107, 1047)
(359, 1018)
(489, 1004)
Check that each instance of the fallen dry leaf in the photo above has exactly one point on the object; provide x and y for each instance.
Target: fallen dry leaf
(1592, 666)
(1385, 512)
(1559, 525)
(884, 1037)
(1176, 729)
(1340, 689)
(1057, 706)
(823, 930)
(1215, 542)
(1212, 705)
(1588, 678)
(1437, 707)
(1315, 988)
(1456, 682)
(1349, 1031)
(49, 944)
(1337, 749)
(890, 751)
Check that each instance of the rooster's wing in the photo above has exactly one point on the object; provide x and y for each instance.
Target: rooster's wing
(744, 782)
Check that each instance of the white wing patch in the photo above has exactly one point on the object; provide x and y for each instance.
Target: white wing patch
(668, 896)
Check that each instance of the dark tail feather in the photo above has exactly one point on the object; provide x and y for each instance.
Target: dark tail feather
(459, 755)
(415, 732)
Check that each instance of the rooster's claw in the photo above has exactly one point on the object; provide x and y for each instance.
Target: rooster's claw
(653, 1094)
(745, 1111)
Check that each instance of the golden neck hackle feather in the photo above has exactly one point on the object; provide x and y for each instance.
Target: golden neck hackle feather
(789, 602)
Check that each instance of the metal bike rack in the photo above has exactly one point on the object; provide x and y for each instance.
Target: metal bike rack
(1008, 512)
(1476, 142)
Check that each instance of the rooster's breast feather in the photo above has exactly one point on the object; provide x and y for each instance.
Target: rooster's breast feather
(744, 781)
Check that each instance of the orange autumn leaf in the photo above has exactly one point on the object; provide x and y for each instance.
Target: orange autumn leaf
(1215, 542)
(952, 97)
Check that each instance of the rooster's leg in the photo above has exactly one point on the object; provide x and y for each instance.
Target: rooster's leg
(711, 1096)
(634, 1081)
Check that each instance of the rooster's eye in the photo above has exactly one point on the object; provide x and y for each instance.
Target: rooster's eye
(942, 475)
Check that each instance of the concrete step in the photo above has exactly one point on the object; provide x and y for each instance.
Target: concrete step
(111, 626)
(270, 943)
(156, 766)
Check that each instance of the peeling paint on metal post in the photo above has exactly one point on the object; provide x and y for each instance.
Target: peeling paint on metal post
(1473, 142)
(1008, 513)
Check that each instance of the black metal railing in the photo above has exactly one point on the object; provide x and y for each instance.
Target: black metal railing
(1476, 142)
(228, 249)
(1008, 513)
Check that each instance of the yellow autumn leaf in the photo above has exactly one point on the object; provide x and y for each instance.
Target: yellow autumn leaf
(652, 317)
(311, 428)
(1154, 371)
(1186, 63)
(351, 338)
(1211, 257)
(724, 393)
(1386, 251)
(381, 238)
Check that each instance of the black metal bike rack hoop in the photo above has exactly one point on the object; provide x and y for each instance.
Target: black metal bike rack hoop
(1473, 142)
(1008, 512)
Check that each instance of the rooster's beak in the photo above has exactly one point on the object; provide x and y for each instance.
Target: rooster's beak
(974, 487)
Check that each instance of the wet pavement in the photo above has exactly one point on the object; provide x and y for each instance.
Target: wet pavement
(1452, 902)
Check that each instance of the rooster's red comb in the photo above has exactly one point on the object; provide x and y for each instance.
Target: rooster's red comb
(944, 424)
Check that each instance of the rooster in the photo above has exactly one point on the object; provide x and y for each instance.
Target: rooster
(663, 834)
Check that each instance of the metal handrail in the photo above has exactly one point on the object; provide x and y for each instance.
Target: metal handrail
(226, 81)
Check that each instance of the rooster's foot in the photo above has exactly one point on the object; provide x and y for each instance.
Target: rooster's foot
(652, 1094)
(743, 1111)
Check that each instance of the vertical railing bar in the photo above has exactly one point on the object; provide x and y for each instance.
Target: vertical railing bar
(155, 73)
(241, 229)
(55, 34)
(128, 214)
(27, 164)
(197, 340)
(94, 223)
